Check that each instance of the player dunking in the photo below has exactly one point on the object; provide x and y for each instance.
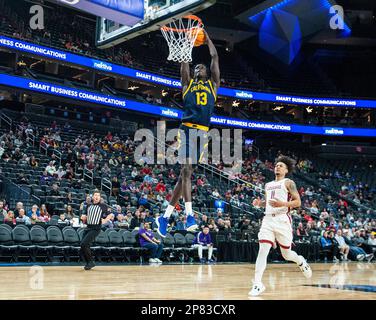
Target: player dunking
(199, 96)
(280, 195)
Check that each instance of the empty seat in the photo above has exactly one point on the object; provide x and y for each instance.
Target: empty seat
(72, 240)
(21, 238)
(56, 240)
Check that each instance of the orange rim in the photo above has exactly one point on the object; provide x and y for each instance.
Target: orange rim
(191, 17)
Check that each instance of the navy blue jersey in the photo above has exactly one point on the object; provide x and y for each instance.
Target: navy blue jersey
(199, 100)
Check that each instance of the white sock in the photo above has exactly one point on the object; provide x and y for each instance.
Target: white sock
(290, 255)
(169, 211)
(188, 209)
(261, 261)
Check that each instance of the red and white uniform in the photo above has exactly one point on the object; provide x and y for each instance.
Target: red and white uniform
(276, 225)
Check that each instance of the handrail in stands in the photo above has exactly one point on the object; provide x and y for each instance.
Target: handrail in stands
(89, 174)
(6, 119)
(106, 184)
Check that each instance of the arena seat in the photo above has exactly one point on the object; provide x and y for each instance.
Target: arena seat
(21, 237)
(180, 246)
(72, 239)
(56, 240)
(38, 238)
(117, 249)
(7, 247)
(168, 243)
(101, 245)
(131, 244)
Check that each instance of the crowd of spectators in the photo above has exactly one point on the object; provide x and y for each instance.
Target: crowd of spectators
(139, 193)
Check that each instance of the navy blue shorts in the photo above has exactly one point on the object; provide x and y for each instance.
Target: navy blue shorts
(192, 148)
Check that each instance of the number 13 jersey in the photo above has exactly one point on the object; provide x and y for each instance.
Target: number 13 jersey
(199, 100)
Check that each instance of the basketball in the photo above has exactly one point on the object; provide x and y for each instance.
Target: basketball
(200, 40)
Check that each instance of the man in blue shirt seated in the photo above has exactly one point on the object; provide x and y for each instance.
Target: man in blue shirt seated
(148, 241)
(203, 240)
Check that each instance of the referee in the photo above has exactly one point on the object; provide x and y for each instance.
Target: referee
(94, 220)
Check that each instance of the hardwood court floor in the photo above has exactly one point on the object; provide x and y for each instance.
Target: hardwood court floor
(221, 281)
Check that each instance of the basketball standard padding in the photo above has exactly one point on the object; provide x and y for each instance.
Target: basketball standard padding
(200, 40)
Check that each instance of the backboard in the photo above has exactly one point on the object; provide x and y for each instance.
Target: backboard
(156, 14)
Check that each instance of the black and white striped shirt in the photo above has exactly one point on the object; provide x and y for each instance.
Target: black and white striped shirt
(95, 213)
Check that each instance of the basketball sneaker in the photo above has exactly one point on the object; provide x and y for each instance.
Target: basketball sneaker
(162, 224)
(152, 260)
(369, 257)
(191, 223)
(256, 290)
(158, 260)
(90, 265)
(305, 268)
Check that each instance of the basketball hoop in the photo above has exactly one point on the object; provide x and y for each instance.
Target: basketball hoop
(181, 35)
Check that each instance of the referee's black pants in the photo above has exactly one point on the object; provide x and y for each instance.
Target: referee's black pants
(88, 238)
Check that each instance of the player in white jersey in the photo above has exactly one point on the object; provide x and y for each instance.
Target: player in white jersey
(280, 196)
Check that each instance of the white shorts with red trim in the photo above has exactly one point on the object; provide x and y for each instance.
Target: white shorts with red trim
(276, 228)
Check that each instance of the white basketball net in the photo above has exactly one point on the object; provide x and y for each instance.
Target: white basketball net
(181, 36)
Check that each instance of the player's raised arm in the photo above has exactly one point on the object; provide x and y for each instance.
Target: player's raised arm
(214, 66)
(185, 75)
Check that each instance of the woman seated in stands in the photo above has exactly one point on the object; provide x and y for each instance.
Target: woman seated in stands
(43, 214)
(33, 162)
(10, 218)
(301, 231)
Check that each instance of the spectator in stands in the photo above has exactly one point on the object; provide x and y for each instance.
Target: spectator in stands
(203, 240)
(106, 171)
(63, 220)
(21, 179)
(69, 212)
(221, 225)
(181, 223)
(23, 162)
(34, 209)
(44, 215)
(3, 212)
(307, 216)
(23, 218)
(115, 188)
(19, 205)
(203, 222)
(10, 218)
(60, 174)
(301, 231)
(356, 252)
(372, 241)
(134, 173)
(45, 178)
(128, 219)
(148, 241)
(118, 210)
(113, 162)
(361, 243)
(342, 246)
(109, 224)
(149, 217)
(51, 169)
(160, 187)
(327, 246)
(212, 226)
(136, 220)
(17, 155)
(33, 162)
(55, 191)
(34, 218)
